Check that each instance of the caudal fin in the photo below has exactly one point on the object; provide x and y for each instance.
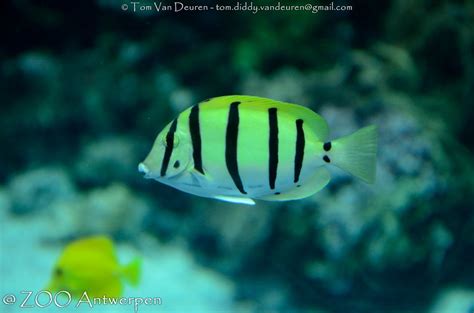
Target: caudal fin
(131, 272)
(356, 153)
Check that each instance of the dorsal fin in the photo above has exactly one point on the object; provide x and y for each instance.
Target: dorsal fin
(99, 244)
(312, 120)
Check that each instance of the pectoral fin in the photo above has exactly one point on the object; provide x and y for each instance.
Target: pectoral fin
(199, 178)
(242, 200)
(309, 187)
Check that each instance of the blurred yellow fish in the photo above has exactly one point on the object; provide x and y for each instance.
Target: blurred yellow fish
(90, 264)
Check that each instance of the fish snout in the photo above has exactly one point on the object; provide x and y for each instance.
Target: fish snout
(142, 168)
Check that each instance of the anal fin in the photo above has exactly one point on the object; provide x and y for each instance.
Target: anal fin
(309, 187)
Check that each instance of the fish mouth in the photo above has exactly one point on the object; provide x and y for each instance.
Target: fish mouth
(148, 174)
(142, 168)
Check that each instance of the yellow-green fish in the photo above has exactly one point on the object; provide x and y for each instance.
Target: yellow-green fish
(90, 265)
(239, 148)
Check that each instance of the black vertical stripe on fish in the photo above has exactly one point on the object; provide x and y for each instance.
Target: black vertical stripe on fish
(169, 147)
(272, 147)
(195, 131)
(231, 136)
(299, 153)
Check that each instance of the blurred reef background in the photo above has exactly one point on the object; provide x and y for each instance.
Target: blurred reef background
(86, 86)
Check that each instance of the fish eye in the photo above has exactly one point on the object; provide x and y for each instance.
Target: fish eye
(176, 164)
(58, 271)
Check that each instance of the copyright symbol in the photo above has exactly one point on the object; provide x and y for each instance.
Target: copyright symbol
(9, 299)
(124, 7)
(309, 7)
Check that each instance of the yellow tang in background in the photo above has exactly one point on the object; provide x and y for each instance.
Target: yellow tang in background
(90, 265)
(239, 148)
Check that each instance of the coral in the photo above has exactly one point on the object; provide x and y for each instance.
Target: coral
(454, 300)
(50, 194)
(108, 160)
(113, 210)
(35, 190)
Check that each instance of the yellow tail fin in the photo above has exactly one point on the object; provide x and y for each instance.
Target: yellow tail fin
(131, 272)
(356, 153)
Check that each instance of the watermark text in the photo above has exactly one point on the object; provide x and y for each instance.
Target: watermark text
(180, 7)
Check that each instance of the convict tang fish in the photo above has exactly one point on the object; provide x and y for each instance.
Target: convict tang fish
(240, 148)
